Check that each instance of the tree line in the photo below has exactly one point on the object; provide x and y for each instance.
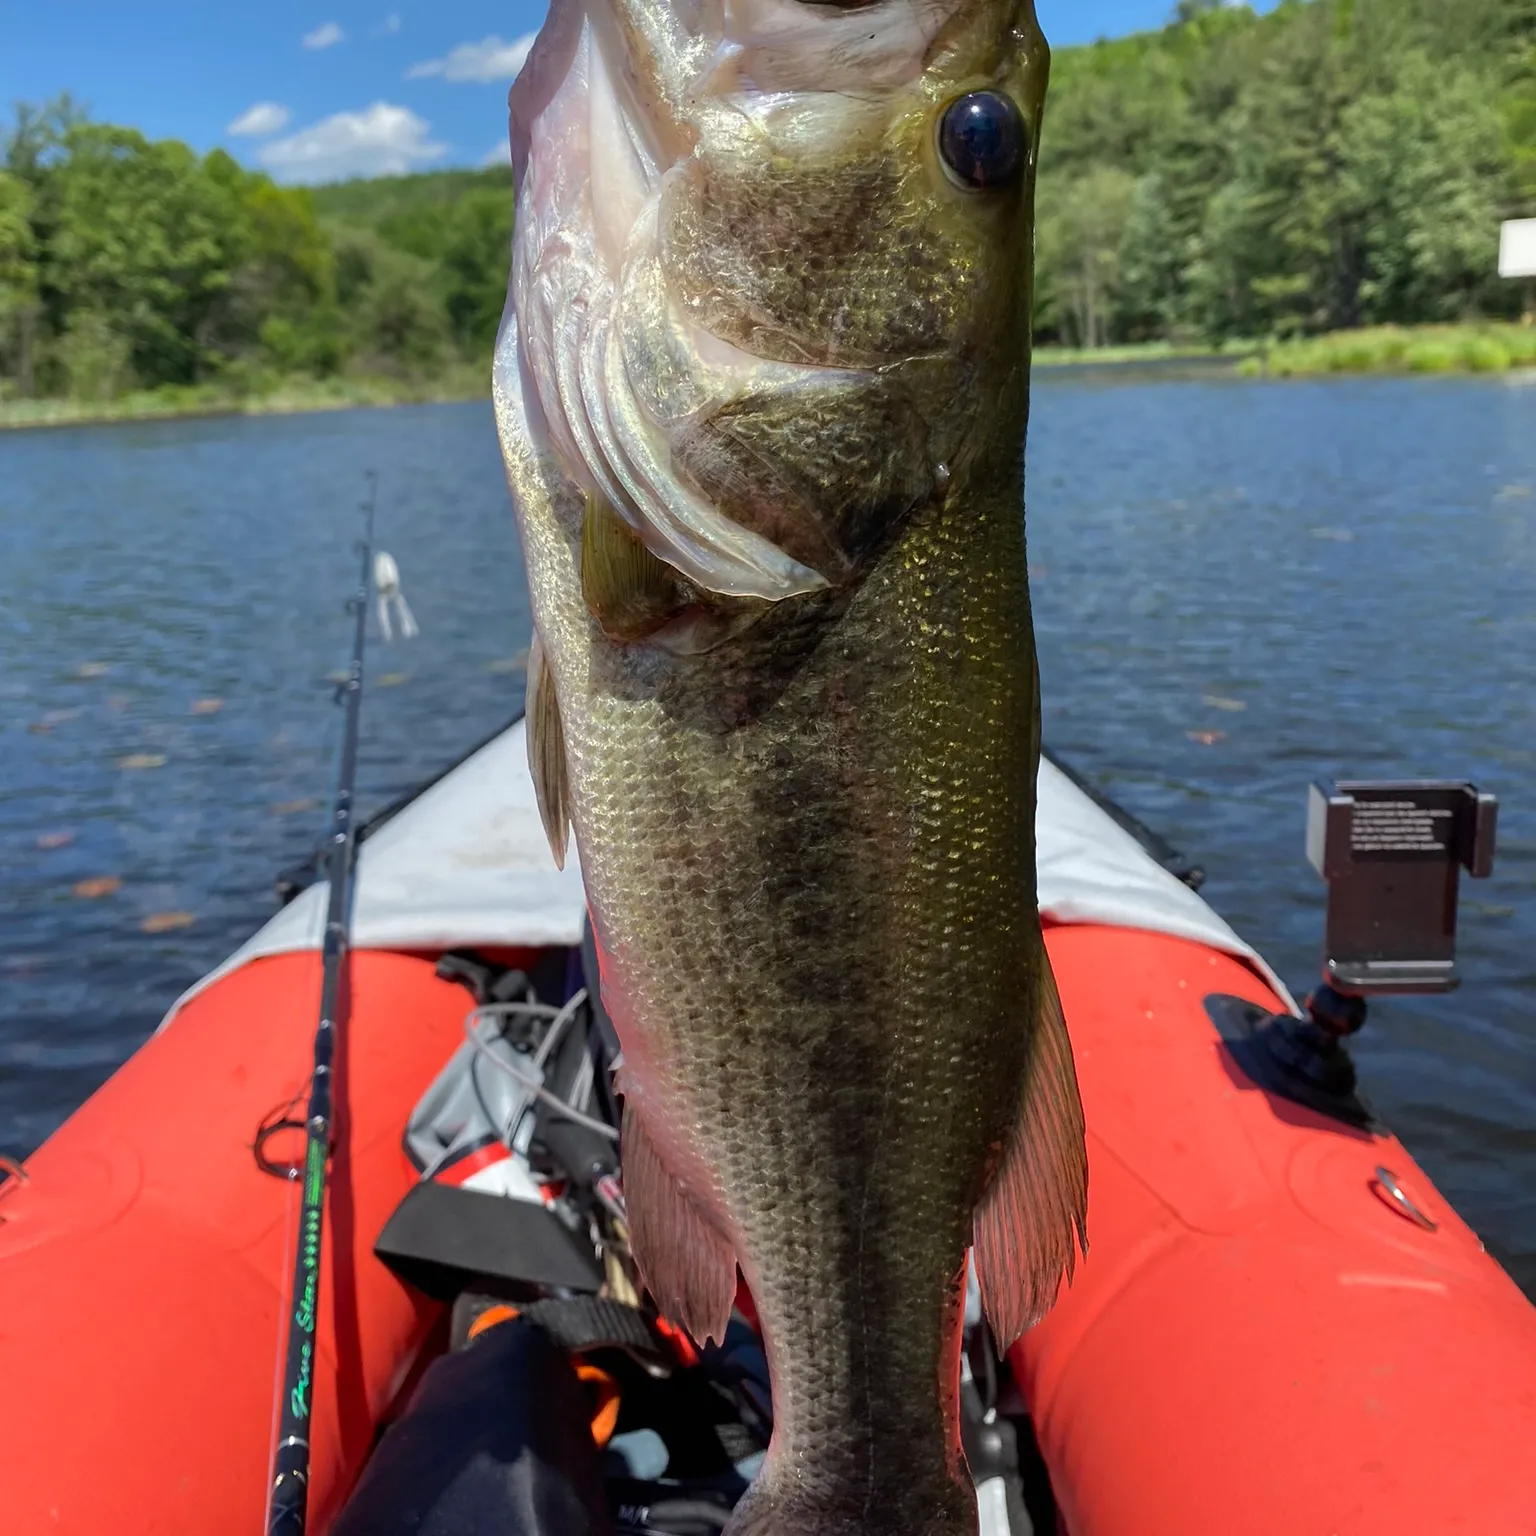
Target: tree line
(1331, 164)
(126, 263)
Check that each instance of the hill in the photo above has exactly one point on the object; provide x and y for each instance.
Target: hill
(1332, 164)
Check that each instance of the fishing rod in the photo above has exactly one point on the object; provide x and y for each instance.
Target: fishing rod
(288, 1504)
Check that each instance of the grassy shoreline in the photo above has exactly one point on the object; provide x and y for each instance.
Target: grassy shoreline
(293, 398)
(1487, 347)
(1145, 352)
(1472, 347)
(1484, 346)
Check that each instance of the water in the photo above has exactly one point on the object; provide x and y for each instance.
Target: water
(202, 560)
(1239, 587)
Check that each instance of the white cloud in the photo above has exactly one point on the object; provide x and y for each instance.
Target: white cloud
(258, 121)
(325, 36)
(500, 153)
(391, 24)
(489, 59)
(381, 140)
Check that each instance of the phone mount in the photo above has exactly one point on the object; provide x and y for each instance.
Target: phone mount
(1392, 853)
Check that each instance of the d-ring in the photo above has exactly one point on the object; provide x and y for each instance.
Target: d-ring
(1395, 1196)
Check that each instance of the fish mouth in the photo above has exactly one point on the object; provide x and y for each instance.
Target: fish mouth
(631, 370)
(679, 53)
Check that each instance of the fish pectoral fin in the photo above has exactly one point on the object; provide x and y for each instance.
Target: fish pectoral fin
(687, 1263)
(546, 752)
(1034, 1215)
(628, 590)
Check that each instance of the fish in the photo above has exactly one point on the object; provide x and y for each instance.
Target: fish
(762, 392)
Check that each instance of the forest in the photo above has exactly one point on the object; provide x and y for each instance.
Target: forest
(1330, 165)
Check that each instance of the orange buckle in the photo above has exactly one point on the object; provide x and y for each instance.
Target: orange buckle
(488, 1319)
(603, 1391)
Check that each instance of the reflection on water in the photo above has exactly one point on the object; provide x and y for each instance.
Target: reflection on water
(1238, 587)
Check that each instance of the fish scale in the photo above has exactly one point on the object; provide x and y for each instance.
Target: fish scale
(806, 822)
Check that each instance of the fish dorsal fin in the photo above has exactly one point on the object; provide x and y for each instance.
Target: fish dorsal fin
(1034, 1215)
(629, 591)
(687, 1263)
(546, 752)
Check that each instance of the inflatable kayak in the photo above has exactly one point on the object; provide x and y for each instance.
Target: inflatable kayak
(1281, 1326)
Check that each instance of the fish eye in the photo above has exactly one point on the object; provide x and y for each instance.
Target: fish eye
(983, 140)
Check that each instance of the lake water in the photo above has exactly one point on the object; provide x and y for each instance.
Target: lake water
(1240, 586)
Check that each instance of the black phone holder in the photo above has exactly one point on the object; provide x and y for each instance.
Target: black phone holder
(1392, 853)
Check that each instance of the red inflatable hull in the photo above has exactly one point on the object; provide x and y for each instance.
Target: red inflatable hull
(1257, 1343)
(144, 1263)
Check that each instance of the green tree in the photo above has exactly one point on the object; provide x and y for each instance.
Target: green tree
(18, 282)
(1238, 284)
(399, 326)
(1277, 230)
(1423, 166)
(38, 135)
(475, 261)
(95, 357)
(278, 307)
(146, 240)
(405, 326)
(1148, 296)
(1329, 163)
(1082, 229)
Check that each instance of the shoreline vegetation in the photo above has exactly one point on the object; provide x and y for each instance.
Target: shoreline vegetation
(1313, 191)
(1383, 351)
(293, 397)
(1487, 346)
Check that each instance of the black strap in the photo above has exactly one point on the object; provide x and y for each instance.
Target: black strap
(580, 1323)
(441, 1239)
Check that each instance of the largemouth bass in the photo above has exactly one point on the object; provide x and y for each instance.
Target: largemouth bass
(762, 390)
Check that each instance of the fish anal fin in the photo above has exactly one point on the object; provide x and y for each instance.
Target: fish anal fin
(1033, 1218)
(687, 1263)
(628, 590)
(546, 752)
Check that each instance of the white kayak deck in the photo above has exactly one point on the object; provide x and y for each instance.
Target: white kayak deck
(466, 865)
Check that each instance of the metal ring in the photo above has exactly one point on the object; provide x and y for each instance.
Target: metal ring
(14, 1169)
(1397, 1198)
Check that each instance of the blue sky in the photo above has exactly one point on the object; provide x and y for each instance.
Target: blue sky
(316, 89)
